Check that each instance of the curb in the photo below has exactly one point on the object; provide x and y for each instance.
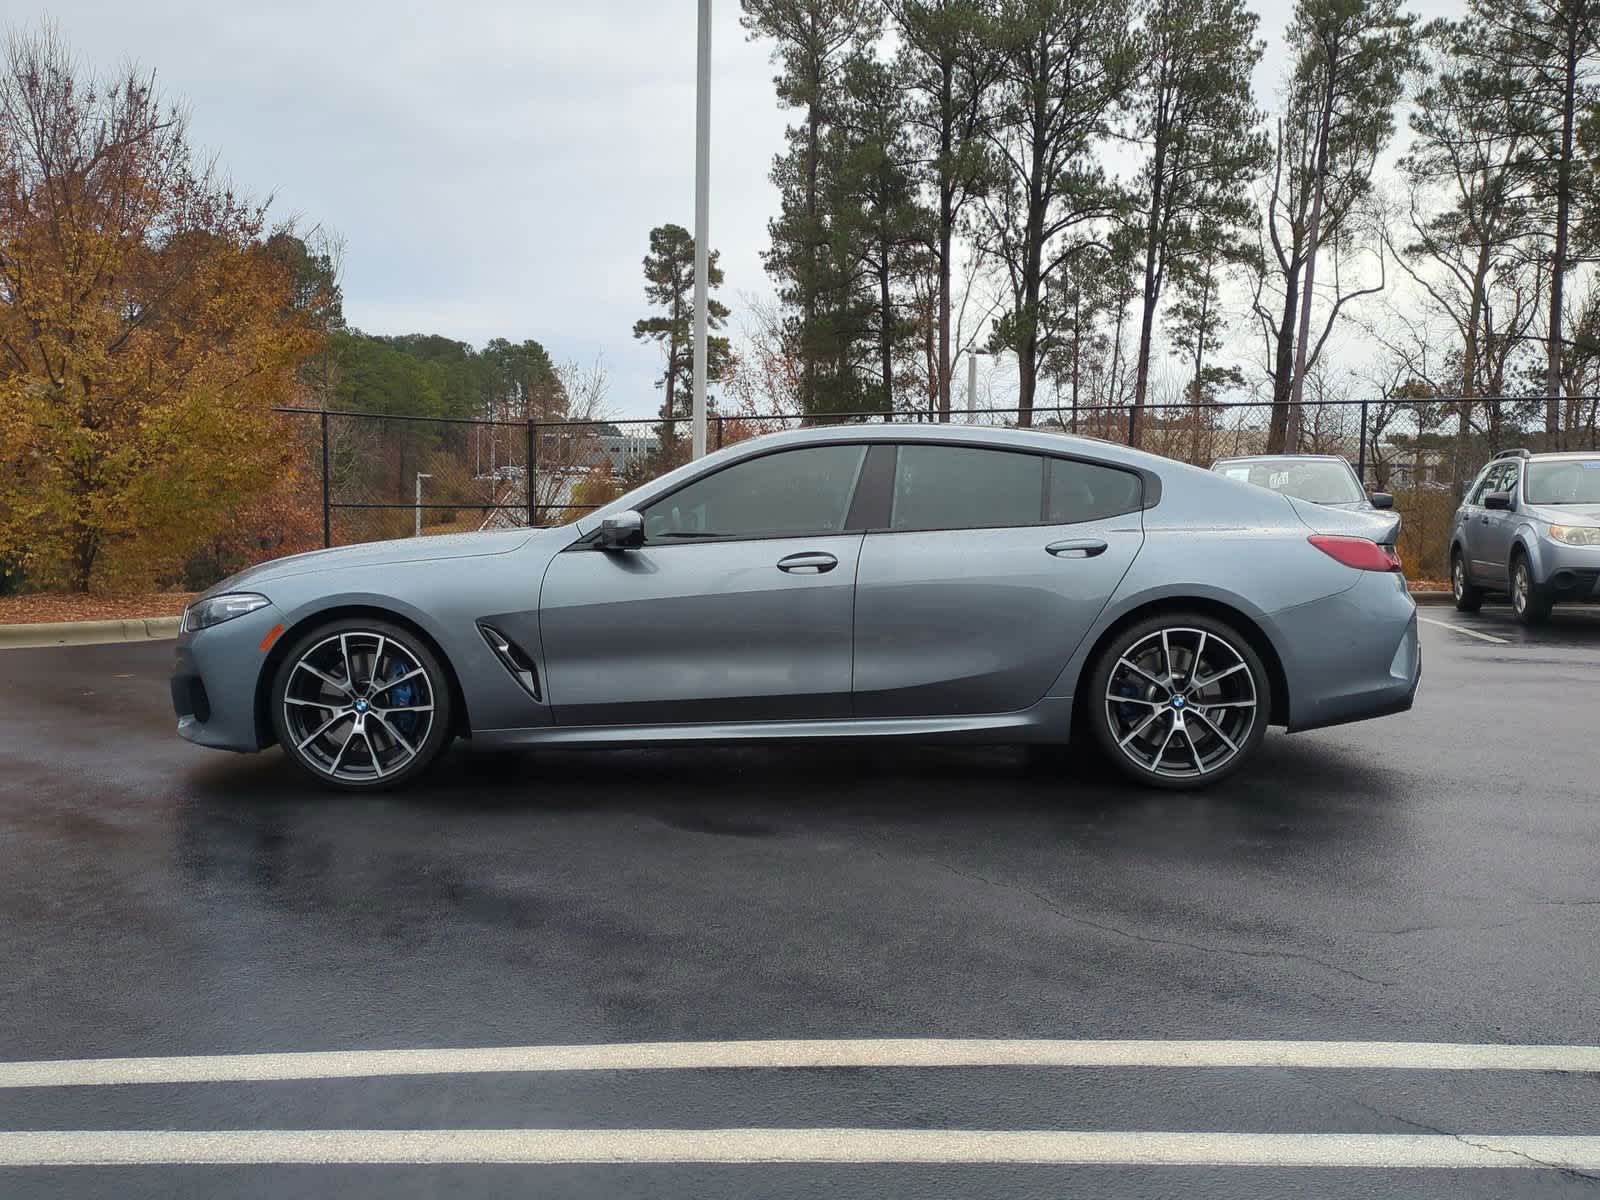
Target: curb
(87, 633)
(1433, 597)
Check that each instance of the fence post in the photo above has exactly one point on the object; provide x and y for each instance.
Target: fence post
(327, 522)
(1361, 451)
(530, 460)
(719, 432)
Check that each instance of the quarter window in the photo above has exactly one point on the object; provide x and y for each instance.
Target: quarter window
(959, 487)
(1080, 491)
(791, 492)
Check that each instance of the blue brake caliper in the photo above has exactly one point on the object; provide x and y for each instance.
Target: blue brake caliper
(1129, 712)
(402, 697)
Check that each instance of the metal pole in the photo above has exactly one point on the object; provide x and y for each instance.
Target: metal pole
(327, 522)
(418, 509)
(529, 482)
(972, 388)
(1361, 452)
(533, 469)
(702, 203)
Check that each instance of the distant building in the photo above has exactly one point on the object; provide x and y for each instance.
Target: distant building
(624, 449)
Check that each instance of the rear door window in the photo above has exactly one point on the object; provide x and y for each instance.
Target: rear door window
(963, 487)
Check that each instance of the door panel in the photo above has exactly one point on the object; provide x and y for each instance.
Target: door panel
(979, 620)
(700, 631)
(1478, 531)
(1499, 530)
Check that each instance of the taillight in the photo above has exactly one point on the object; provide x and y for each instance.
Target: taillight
(1361, 553)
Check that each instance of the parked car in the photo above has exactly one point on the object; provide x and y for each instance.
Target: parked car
(958, 584)
(1529, 527)
(1320, 478)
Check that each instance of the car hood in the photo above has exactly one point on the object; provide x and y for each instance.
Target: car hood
(1569, 514)
(1347, 520)
(437, 548)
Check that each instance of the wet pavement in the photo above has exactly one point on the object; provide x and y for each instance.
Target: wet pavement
(1428, 877)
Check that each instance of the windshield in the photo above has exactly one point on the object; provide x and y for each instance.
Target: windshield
(1564, 481)
(1321, 481)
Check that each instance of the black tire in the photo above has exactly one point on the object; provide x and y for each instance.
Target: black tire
(1529, 601)
(1129, 682)
(373, 746)
(1469, 599)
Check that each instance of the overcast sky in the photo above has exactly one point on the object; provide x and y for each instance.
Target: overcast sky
(493, 166)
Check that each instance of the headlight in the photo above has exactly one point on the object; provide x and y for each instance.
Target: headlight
(218, 609)
(1576, 535)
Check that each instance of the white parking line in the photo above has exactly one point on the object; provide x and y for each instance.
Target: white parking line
(851, 1052)
(1486, 637)
(414, 1146)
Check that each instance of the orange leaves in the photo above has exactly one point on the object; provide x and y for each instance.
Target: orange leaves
(145, 334)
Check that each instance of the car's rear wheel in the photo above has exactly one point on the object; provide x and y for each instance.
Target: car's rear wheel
(1468, 598)
(1529, 601)
(361, 704)
(1179, 701)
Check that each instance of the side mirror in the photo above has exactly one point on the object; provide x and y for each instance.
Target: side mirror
(622, 531)
(1499, 500)
(1382, 500)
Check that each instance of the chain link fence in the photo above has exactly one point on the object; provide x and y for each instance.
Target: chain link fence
(386, 476)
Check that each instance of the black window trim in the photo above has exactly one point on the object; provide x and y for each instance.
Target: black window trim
(1150, 490)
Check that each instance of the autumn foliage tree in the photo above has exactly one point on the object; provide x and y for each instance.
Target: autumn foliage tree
(145, 330)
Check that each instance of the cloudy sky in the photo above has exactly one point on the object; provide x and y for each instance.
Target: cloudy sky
(494, 167)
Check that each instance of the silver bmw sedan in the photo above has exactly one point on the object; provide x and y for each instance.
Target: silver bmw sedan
(895, 581)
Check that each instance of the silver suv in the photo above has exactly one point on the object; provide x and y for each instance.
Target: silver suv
(1529, 527)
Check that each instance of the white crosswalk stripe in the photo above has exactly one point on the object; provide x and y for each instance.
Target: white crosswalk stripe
(1443, 1150)
(416, 1146)
(791, 1054)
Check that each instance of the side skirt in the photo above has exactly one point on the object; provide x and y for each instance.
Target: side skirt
(1050, 720)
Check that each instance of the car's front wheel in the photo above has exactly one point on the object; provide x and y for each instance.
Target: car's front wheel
(361, 704)
(1529, 601)
(1179, 701)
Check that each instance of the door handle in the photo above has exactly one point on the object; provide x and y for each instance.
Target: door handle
(809, 563)
(1077, 548)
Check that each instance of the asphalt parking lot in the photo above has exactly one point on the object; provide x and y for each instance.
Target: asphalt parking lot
(1432, 877)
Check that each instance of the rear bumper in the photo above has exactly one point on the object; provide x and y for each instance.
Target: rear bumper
(1352, 656)
(214, 682)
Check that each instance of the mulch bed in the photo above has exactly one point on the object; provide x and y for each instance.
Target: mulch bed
(39, 607)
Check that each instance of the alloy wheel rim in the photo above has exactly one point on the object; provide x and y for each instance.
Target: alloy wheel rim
(358, 706)
(1181, 702)
(1458, 576)
(1519, 586)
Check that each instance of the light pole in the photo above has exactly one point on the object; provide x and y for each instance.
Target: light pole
(420, 478)
(702, 202)
(972, 386)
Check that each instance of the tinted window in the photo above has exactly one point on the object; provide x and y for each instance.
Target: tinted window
(1499, 477)
(956, 487)
(791, 492)
(1082, 491)
(1475, 496)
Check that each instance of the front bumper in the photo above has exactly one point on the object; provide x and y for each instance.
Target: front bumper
(1569, 572)
(1352, 656)
(215, 678)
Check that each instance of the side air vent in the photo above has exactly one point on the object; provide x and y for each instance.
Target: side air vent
(514, 658)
